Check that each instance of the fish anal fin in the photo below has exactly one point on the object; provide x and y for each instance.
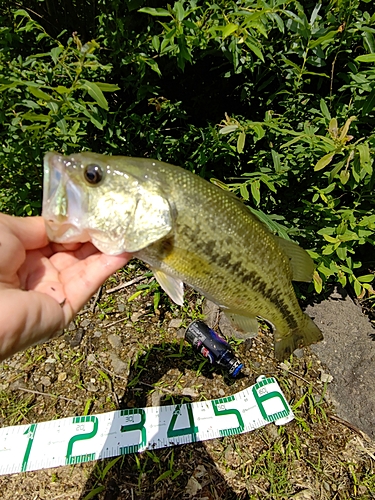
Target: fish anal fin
(302, 336)
(248, 325)
(174, 287)
(301, 263)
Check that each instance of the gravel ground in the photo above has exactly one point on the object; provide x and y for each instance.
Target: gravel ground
(120, 354)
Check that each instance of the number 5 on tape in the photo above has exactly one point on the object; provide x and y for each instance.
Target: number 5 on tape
(81, 439)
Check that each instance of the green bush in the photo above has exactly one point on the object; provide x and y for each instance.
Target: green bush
(274, 101)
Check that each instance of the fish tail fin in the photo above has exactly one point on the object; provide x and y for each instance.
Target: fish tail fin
(302, 336)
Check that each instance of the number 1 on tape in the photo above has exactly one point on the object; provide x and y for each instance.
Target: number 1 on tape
(81, 439)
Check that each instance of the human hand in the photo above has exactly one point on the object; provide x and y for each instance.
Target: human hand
(43, 285)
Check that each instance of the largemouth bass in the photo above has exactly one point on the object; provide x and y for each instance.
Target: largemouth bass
(188, 231)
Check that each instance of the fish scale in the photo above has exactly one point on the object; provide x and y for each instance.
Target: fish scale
(189, 231)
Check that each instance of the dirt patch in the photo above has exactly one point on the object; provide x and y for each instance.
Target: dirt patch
(119, 353)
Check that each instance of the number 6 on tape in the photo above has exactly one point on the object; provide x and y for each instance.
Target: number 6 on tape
(81, 439)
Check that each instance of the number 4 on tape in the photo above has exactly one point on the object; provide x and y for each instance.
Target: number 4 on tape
(81, 439)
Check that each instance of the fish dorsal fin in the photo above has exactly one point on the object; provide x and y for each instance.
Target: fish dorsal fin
(301, 263)
(174, 287)
(248, 324)
(151, 221)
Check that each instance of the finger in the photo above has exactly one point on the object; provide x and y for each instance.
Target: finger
(30, 231)
(83, 279)
(27, 318)
(63, 260)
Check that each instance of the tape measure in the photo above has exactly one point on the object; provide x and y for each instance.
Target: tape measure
(82, 439)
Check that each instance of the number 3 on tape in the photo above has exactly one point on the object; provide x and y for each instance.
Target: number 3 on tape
(81, 439)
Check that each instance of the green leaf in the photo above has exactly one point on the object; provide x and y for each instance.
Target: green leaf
(329, 238)
(318, 282)
(366, 278)
(259, 130)
(276, 161)
(62, 90)
(156, 43)
(244, 192)
(324, 161)
(229, 29)
(39, 93)
(107, 87)
(180, 11)
(344, 176)
(254, 49)
(241, 141)
(255, 191)
(155, 12)
(95, 92)
(364, 157)
(341, 252)
(322, 40)
(55, 52)
(336, 169)
(369, 103)
(357, 288)
(163, 476)
(228, 129)
(324, 109)
(62, 126)
(366, 58)
(153, 65)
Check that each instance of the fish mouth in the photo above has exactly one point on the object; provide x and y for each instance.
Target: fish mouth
(63, 202)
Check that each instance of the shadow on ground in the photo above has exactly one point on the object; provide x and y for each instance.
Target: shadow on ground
(188, 470)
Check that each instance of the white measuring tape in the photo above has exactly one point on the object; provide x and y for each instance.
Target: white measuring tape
(81, 439)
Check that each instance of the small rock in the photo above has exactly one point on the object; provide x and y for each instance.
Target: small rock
(91, 358)
(121, 307)
(303, 495)
(248, 344)
(135, 316)
(98, 333)
(49, 368)
(72, 326)
(46, 381)
(189, 391)
(192, 487)
(271, 430)
(175, 323)
(85, 323)
(298, 353)
(326, 486)
(61, 376)
(77, 338)
(326, 378)
(91, 387)
(156, 398)
(285, 365)
(50, 360)
(221, 392)
(180, 334)
(115, 341)
(200, 471)
(117, 364)
(17, 384)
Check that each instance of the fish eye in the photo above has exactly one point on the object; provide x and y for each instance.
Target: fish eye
(93, 173)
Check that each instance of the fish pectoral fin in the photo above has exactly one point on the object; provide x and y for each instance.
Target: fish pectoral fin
(174, 287)
(301, 263)
(247, 324)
